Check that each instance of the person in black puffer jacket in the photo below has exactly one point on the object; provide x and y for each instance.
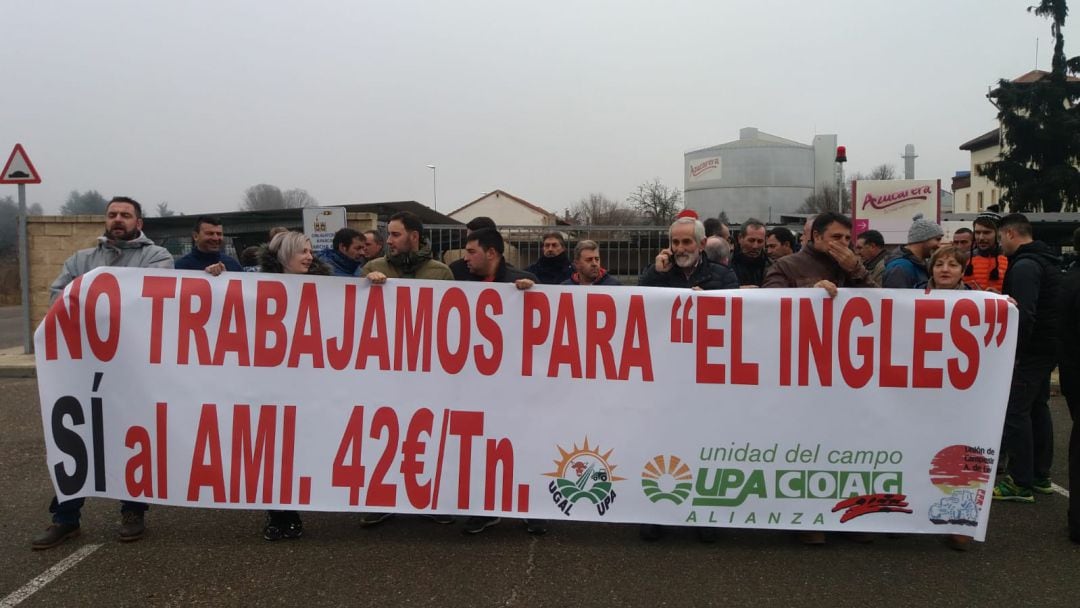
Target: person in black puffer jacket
(554, 266)
(1033, 281)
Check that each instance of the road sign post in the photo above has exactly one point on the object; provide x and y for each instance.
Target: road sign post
(19, 170)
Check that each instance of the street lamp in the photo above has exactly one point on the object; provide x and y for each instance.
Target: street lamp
(434, 189)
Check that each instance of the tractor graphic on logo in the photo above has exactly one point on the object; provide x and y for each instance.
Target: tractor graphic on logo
(583, 473)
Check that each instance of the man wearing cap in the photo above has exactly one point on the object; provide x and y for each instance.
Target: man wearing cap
(906, 268)
(987, 265)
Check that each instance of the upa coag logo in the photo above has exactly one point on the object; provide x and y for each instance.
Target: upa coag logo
(666, 478)
(583, 474)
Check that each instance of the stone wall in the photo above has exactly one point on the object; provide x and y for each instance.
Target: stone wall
(52, 239)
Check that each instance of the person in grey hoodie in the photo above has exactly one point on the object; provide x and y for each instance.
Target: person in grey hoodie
(906, 267)
(123, 244)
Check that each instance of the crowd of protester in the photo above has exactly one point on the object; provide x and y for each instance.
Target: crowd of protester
(998, 254)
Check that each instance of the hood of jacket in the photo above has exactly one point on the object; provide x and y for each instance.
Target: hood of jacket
(1037, 250)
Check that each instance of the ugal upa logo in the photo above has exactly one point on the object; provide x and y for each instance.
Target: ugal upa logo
(583, 473)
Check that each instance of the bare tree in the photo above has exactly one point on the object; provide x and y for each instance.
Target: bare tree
(298, 197)
(826, 200)
(656, 202)
(163, 210)
(261, 197)
(882, 171)
(599, 210)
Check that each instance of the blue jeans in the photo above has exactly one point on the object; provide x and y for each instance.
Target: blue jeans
(69, 511)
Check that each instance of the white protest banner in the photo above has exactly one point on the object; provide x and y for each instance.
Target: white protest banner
(879, 410)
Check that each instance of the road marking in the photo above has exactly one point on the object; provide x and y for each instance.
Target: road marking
(19, 595)
(1059, 489)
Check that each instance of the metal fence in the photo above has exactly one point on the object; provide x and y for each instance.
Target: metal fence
(624, 250)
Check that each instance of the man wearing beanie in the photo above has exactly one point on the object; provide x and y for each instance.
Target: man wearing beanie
(987, 265)
(906, 267)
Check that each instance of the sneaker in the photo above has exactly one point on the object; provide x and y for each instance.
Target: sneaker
(282, 525)
(54, 535)
(132, 526)
(650, 532)
(812, 538)
(707, 535)
(1042, 485)
(1007, 490)
(476, 525)
(437, 518)
(958, 542)
(373, 519)
(536, 527)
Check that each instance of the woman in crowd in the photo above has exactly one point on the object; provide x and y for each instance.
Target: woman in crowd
(288, 253)
(947, 268)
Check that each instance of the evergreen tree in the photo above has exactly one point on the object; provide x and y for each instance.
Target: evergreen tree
(1040, 128)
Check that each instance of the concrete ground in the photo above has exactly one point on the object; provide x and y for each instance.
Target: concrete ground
(195, 557)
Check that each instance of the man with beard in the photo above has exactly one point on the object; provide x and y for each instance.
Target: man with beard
(553, 267)
(206, 254)
(1033, 282)
(906, 267)
(987, 265)
(683, 263)
(749, 260)
(122, 245)
(345, 256)
(588, 270)
(409, 254)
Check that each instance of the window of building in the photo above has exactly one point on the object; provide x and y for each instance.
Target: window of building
(980, 197)
(967, 201)
(993, 196)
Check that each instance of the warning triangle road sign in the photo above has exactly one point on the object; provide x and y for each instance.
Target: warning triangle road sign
(19, 169)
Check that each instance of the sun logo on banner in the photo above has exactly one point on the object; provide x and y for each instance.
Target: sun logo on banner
(583, 473)
(664, 469)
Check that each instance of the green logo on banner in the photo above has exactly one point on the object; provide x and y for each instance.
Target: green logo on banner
(666, 478)
(583, 473)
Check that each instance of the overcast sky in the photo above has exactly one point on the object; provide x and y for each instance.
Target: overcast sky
(192, 102)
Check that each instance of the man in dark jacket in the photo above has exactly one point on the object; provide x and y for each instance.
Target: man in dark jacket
(1069, 372)
(1033, 281)
(345, 257)
(588, 270)
(826, 260)
(683, 264)
(749, 261)
(459, 267)
(484, 259)
(906, 267)
(208, 239)
(553, 267)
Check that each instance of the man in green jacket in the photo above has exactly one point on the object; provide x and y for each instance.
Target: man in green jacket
(409, 254)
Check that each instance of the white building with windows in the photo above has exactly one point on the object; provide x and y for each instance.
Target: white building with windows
(977, 192)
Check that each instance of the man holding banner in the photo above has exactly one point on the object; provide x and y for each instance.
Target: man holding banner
(123, 244)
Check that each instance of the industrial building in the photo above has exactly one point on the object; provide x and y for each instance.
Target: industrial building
(758, 175)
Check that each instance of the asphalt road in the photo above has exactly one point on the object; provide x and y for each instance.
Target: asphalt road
(193, 557)
(10, 326)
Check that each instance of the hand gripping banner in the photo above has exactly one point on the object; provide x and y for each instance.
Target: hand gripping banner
(877, 410)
